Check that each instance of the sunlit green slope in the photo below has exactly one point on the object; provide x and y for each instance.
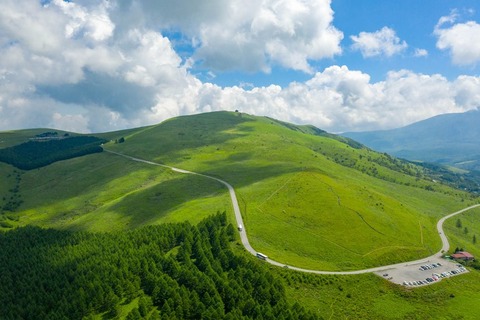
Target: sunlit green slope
(308, 198)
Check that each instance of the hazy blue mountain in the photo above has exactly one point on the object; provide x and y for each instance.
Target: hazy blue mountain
(452, 139)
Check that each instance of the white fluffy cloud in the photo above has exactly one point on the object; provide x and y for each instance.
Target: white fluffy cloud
(461, 40)
(288, 33)
(62, 61)
(90, 67)
(421, 52)
(381, 42)
(339, 99)
(244, 34)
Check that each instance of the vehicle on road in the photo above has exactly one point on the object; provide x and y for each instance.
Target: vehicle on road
(261, 256)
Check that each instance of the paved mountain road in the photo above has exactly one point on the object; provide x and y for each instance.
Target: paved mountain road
(248, 247)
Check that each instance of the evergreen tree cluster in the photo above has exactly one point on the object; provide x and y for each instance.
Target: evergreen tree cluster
(175, 271)
(36, 154)
(12, 200)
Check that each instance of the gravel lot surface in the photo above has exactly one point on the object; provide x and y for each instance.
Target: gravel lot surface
(413, 272)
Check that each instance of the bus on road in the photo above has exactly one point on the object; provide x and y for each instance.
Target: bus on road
(261, 256)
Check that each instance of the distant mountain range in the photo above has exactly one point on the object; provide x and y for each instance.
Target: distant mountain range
(449, 139)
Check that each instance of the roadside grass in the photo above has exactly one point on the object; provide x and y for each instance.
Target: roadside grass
(299, 193)
(308, 200)
(170, 200)
(321, 222)
(106, 193)
(462, 236)
(371, 297)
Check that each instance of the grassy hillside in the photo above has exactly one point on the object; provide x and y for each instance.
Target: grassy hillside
(107, 193)
(300, 190)
(308, 199)
(464, 231)
(370, 297)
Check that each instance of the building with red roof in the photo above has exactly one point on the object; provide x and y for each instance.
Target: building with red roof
(462, 255)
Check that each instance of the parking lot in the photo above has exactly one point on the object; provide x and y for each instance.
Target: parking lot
(424, 273)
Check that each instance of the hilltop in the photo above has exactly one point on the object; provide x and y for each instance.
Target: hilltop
(299, 187)
(308, 198)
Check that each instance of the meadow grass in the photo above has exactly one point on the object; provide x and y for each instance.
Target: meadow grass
(300, 204)
(371, 297)
(307, 200)
(106, 193)
(462, 236)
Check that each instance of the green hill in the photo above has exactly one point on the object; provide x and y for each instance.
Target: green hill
(308, 198)
(300, 189)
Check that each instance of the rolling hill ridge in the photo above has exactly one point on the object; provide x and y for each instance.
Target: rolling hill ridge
(299, 187)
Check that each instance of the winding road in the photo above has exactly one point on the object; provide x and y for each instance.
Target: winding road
(248, 247)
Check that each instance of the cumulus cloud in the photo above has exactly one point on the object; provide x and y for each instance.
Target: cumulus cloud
(90, 67)
(62, 60)
(245, 34)
(381, 42)
(72, 56)
(339, 99)
(461, 40)
(420, 52)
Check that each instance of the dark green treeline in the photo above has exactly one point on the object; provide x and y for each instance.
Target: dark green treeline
(176, 271)
(36, 154)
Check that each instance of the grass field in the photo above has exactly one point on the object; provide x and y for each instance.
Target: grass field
(107, 193)
(462, 235)
(308, 199)
(370, 297)
(300, 192)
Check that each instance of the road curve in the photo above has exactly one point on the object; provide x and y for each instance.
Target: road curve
(233, 197)
(248, 247)
(445, 244)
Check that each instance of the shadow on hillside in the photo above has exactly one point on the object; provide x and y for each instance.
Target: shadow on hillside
(146, 206)
(150, 204)
(174, 139)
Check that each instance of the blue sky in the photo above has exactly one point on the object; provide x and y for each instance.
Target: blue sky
(413, 21)
(342, 65)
